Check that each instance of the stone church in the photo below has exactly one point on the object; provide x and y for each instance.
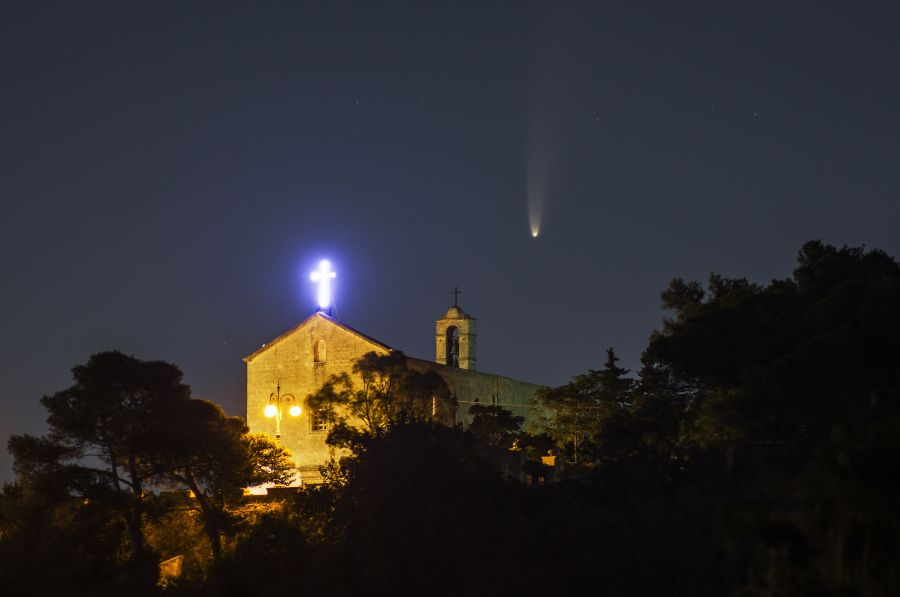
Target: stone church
(283, 372)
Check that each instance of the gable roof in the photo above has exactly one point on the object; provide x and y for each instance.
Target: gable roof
(320, 315)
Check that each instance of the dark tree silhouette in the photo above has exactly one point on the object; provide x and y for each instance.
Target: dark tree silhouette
(752, 454)
(801, 401)
(126, 429)
(215, 457)
(578, 410)
(494, 425)
(107, 440)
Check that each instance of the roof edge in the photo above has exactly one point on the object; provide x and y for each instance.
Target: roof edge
(432, 364)
(343, 326)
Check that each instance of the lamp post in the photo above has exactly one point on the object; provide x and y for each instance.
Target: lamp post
(273, 409)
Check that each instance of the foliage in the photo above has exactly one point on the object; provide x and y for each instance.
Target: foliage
(421, 510)
(215, 457)
(48, 546)
(420, 503)
(579, 409)
(107, 441)
(125, 430)
(784, 401)
(800, 387)
(274, 558)
(752, 454)
(494, 425)
(382, 390)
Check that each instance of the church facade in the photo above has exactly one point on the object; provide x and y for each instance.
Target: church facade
(283, 372)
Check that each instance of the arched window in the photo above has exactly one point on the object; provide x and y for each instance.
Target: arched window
(319, 351)
(452, 346)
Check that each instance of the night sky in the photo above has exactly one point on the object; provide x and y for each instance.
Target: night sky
(172, 171)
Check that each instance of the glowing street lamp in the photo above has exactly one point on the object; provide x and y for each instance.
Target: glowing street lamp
(274, 408)
(323, 277)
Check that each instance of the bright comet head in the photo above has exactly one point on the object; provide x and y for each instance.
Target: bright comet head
(534, 214)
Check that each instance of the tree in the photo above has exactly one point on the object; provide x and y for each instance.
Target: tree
(106, 440)
(53, 546)
(215, 456)
(578, 410)
(421, 502)
(128, 427)
(494, 425)
(382, 390)
(661, 406)
(798, 399)
(273, 558)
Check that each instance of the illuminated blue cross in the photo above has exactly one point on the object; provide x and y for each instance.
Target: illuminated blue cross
(323, 276)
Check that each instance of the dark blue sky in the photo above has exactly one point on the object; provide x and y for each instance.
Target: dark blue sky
(172, 171)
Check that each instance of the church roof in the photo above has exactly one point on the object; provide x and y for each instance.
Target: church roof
(319, 314)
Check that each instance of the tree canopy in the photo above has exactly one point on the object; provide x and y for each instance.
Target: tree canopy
(215, 457)
(799, 390)
(578, 410)
(495, 425)
(382, 390)
(752, 453)
(128, 428)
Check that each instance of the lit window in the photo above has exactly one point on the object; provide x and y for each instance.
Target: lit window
(319, 421)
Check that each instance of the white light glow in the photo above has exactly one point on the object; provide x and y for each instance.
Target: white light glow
(270, 411)
(295, 411)
(323, 276)
(535, 210)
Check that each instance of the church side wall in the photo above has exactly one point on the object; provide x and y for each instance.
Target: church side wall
(470, 386)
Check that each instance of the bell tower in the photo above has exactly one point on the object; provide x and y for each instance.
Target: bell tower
(454, 340)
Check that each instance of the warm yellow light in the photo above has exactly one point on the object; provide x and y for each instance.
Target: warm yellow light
(295, 411)
(270, 411)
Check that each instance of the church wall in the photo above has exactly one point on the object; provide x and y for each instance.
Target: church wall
(290, 360)
(469, 386)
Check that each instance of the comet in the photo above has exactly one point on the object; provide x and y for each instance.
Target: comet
(554, 82)
(534, 206)
(534, 216)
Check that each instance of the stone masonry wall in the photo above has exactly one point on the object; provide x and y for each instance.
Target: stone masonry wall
(470, 386)
(290, 360)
